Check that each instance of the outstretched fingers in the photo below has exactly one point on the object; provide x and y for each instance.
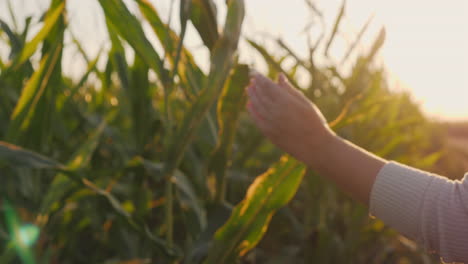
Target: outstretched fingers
(266, 127)
(267, 89)
(284, 83)
(259, 104)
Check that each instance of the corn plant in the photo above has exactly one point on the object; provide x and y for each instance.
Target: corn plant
(121, 167)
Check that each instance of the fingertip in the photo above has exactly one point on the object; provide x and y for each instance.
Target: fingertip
(283, 79)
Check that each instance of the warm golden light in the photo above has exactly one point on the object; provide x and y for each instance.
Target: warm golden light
(426, 50)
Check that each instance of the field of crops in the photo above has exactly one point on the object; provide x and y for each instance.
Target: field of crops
(153, 160)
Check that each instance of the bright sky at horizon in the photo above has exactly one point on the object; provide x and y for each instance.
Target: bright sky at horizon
(426, 49)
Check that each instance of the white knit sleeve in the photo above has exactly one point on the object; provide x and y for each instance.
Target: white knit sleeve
(427, 208)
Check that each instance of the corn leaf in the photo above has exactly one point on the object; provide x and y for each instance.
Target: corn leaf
(358, 39)
(272, 62)
(377, 45)
(250, 218)
(143, 112)
(222, 61)
(62, 184)
(231, 103)
(19, 157)
(31, 95)
(49, 24)
(15, 41)
(129, 28)
(204, 18)
(191, 75)
(336, 26)
(73, 90)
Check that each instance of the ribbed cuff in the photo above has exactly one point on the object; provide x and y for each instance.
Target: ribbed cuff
(397, 197)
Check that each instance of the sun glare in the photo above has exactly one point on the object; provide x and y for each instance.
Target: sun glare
(426, 47)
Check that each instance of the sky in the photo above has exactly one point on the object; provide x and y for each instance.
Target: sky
(426, 51)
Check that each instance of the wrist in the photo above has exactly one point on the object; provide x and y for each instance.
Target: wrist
(321, 150)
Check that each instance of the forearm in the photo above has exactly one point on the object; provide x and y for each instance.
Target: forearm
(351, 168)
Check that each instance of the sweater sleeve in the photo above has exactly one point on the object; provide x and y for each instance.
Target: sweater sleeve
(427, 208)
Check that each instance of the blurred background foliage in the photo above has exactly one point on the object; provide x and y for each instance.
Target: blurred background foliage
(149, 159)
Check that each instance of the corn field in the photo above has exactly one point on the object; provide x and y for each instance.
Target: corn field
(153, 160)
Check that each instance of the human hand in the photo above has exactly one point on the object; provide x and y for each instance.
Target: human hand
(288, 118)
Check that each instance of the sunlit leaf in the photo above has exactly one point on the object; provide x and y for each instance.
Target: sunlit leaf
(249, 220)
(49, 24)
(231, 102)
(129, 28)
(222, 60)
(30, 96)
(191, 74)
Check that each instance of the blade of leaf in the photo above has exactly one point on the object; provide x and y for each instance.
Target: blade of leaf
(62, 183)
(31, 94)
(19, 157)
(335, 28)
(221, 64)
(250, 218)
(49, 24)
(73, 90)
(129, 28)
(272, 62)
(204, 18)
(231, 103)
(222, 60)
(191, 75)
(358, 39)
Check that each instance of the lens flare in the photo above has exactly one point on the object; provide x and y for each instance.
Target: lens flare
(22, 237)
(28, 235)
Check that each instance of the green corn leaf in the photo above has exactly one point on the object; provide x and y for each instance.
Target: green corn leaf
(79, 46)
(222, 61)
(49, 24)
(15, 42)
(19, 157)
(62, 184)
(73, 90)
(354, 82)
(181, 181)
(143, 112)
(12, 15)
(189, 198)
(129, 28)
(31, 95)
(271, 61)
(185, 8)
(118, 60)
(27, 26)
(231, 103)
(204, 18)
(250, 218)
(191, 75)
